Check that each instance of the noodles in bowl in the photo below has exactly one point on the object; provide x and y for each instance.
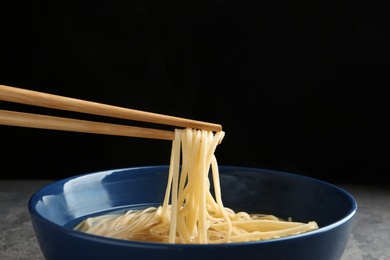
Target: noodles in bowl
(230, 194)
(194, 215)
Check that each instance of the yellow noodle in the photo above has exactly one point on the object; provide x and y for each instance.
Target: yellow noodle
(190, 213)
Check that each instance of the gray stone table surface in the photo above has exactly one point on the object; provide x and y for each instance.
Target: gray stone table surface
(370, 237)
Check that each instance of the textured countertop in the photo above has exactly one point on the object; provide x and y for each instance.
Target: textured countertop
(370, 238)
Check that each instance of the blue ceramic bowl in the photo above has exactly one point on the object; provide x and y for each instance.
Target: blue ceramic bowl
(57, 207)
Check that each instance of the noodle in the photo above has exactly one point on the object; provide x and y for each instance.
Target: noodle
(189, 213)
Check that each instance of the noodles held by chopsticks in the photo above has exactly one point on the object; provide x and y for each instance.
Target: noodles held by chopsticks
(190, 214)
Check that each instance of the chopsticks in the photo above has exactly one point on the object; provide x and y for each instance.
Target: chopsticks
(35, 98)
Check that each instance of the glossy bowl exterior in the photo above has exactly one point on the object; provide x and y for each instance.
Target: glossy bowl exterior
(248, 189)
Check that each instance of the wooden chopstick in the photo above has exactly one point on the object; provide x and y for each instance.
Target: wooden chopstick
(35, 98)
(12, 118)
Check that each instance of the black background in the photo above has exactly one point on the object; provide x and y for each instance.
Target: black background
(297, 86)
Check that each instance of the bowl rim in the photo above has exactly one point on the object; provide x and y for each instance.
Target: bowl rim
(121, 242)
